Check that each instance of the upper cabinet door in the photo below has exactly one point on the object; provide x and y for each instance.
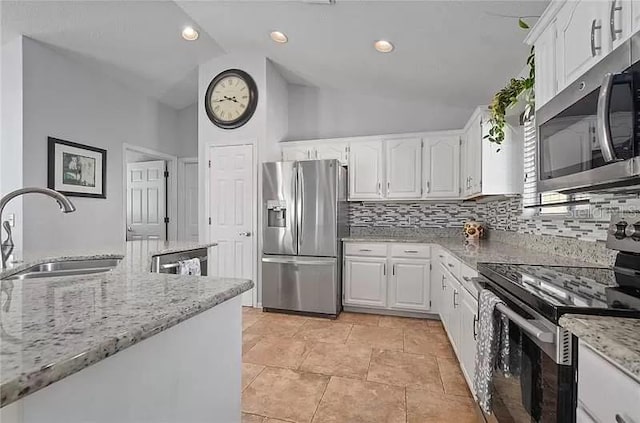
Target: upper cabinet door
(621, 20)
(296, 152)
(545, 83)
(365, 170)
(403, 168)
(583, 38)
(635, 16)
(441, 167)
(333, 150)
(472, 183)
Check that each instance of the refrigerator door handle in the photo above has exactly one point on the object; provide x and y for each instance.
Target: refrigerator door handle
(299, 206)
(318, 261)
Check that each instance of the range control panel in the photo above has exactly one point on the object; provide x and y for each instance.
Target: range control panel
(624, 233)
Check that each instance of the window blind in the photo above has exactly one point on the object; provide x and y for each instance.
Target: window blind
(530, 195)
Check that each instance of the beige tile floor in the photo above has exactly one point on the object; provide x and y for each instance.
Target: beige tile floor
(359, 368)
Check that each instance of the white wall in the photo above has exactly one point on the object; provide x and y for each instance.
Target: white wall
(326, 113)
(66, 100)
(188, 131)
(266, 128)
(11, 130)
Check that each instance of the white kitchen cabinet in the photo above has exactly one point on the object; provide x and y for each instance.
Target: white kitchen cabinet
(596, 374)
(620, 22)
(295, 151)
(471, 170)
(468, 335)
(386, 276)
(403, 168)
(366, 170)
(333, 150)
(365, 281)
(489, 168)
(409, 284)
(583, 38)
(545, 85)
(441, 167)
(437, 280)
(635, 16)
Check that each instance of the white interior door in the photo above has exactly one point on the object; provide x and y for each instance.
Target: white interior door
(188, 204)
(231, 207)
(146, 200)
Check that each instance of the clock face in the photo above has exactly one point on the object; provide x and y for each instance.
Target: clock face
(231, 99)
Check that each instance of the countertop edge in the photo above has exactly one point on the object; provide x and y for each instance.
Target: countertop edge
(624, 358)
(24, 385)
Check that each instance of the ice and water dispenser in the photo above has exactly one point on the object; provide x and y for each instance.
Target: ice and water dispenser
(276, 214)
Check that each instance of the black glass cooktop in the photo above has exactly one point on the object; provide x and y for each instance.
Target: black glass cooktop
(556, 290)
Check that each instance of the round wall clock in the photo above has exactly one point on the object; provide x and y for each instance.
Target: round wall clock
(231, 99)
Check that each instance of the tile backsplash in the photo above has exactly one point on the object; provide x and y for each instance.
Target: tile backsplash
(502, 215)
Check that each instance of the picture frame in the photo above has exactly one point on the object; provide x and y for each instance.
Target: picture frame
(77, 170)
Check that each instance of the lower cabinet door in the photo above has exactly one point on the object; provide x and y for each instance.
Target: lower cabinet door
(365, 281)
(468, 335)
(409, 284)
(454, 319)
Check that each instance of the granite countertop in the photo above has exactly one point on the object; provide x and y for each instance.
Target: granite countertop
(617, 338)
(485, 251)
(51, 328)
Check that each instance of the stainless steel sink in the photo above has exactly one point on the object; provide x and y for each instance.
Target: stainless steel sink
(66, 268)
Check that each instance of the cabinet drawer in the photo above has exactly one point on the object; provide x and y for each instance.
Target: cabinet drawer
(365, 249)
(452, 264)
(597, 375)
(411, 250)
(466, 274)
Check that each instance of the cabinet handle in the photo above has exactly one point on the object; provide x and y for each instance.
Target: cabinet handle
(444, 285)
(612, 20)
(380, 188)
(388, 187)
(455, 295)
(428, 189)
(393, 270)
(410, 251)
(450, 265)
(364, 249)
(384, 269)
(594, 26)
(475, 327)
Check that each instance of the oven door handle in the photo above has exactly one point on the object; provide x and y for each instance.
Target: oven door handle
(603, 121)
(529, 326)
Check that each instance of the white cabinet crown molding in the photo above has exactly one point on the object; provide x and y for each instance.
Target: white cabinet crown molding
(544, 21)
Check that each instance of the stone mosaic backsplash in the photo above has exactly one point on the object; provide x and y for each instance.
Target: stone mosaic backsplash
(588, 223)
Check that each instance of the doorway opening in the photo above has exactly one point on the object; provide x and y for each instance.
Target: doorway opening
(150, 194)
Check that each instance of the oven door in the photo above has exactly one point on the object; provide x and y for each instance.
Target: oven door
(537, 382)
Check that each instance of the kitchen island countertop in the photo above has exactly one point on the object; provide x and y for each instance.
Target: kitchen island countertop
(51, 328)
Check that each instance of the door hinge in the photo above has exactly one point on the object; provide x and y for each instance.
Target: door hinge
(209, 221)
(166, 220)
(209, 163)
(166, 173)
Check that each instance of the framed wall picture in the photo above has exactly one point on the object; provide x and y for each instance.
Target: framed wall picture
(77, 170)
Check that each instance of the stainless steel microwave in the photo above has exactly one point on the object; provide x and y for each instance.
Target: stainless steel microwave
(589, 134)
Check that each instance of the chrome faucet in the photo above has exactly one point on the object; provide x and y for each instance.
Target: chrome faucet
(66, 206)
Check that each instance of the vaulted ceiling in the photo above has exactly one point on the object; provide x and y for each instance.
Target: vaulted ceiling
(454, 52)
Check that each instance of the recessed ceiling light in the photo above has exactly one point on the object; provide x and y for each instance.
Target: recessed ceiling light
(383, 46)
(279, 37)
(189, 33)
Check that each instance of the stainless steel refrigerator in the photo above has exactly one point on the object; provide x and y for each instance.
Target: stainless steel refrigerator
(304, 219)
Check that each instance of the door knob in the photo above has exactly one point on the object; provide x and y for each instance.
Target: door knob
(245, 234)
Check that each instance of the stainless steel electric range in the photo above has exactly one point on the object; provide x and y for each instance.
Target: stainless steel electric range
(543, 387)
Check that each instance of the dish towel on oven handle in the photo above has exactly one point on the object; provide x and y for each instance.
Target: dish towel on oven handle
(190, 267)
(492, 348)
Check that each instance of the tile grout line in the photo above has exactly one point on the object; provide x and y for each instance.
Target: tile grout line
(324, 391)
